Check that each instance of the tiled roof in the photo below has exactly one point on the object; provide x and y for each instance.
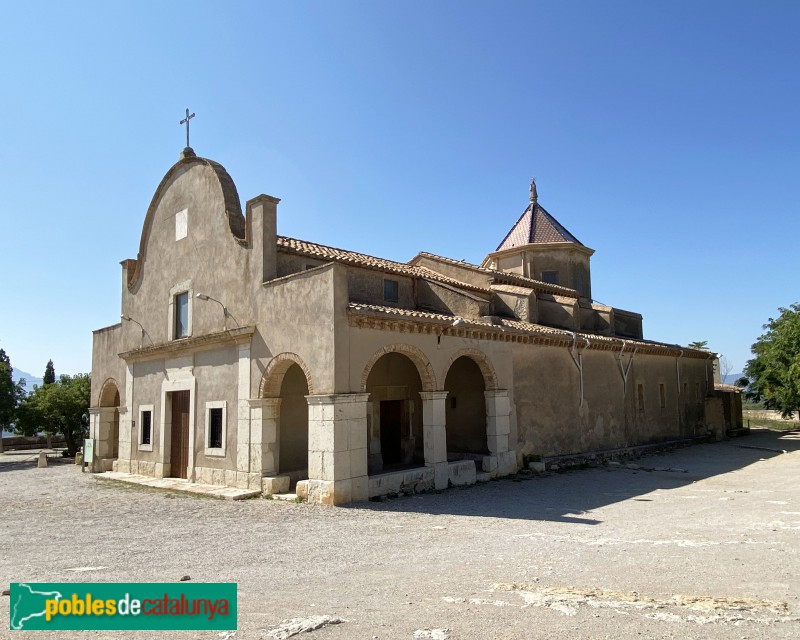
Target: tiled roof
(331, 254)
(504, 276)
(499, 324)
(398, 311)
(536, 226)
(510, 288)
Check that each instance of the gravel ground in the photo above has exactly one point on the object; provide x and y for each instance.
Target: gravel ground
(701, 542)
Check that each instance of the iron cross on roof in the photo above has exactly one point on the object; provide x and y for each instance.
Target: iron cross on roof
(186, 122)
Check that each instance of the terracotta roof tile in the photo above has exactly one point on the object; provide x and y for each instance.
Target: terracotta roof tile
(498, 323)
(332, 254)
(505, 276)
(398, 311)
(536, 226)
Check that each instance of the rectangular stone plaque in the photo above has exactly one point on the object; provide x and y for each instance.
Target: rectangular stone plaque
(88, 450)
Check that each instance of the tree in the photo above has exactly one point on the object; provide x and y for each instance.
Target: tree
(49, 373)
(10, 395)
(725, 368)
(773, 375)
(699, 344)
(58, 408)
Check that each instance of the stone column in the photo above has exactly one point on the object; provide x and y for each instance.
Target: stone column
(124, 460)
(434, 434)
(502, 460)
(264, 414)
(337, 449)
(248, 475)
(94, 429)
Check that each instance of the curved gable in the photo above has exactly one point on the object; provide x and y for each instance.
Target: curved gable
(230, 198)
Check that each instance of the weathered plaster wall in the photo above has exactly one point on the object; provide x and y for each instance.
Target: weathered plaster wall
(441, 299)
(295, 314)
(572, 265)
(366, 285)
(627, 324)
(106, 344)
(551, 420)
(558, 311)
(216, 373)
(209, 260)
(460, 273)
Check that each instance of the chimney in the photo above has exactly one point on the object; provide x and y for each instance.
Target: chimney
(262, 222)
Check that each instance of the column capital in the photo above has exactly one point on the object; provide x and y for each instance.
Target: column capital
(495, 393)
(337, 398)
(433, 395)
(256, 403)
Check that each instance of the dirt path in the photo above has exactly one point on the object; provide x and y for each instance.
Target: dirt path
(707, 549)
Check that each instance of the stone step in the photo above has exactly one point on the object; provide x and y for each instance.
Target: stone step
(483, 476)
(287, 497)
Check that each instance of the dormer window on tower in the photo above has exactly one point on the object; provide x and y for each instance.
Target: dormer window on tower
(551, 277)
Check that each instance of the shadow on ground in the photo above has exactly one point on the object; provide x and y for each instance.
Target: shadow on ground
(571, 496)
(27, 459)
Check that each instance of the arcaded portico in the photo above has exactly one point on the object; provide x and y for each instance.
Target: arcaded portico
(249, 359)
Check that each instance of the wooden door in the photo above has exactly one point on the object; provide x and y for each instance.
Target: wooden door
(179, 456)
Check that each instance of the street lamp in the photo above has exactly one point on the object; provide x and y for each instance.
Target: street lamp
(129, 319)
(226, 314)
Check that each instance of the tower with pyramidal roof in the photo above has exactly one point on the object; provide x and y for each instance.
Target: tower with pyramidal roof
(539, 247)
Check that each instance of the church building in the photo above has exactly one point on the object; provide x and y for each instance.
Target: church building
(248, 359)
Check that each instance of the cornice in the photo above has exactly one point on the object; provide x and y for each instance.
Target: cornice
(241, 335)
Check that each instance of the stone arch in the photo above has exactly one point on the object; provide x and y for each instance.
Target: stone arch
(420, 360)
(483, 362)
(109, 394)
(272, 379)
(107, 428)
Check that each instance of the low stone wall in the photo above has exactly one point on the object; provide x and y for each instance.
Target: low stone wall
(600, 458)
(21, 443)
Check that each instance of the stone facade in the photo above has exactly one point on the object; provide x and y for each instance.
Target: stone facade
(257, 361)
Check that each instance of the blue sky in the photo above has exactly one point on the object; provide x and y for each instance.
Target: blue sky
(664, 135)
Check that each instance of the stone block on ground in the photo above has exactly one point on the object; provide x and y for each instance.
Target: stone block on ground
(275, 484)
(461, 473)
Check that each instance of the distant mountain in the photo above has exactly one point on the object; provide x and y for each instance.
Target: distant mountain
(30, 379)
(731, 378)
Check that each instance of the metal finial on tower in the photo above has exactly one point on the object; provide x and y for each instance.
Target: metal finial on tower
(534, 195)
(186, 122)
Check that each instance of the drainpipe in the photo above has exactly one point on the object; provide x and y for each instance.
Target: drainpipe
(678, 371)
(625, 370)
(579, 359)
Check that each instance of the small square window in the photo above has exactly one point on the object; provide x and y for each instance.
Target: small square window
(551, 277)
(391, 290)
(182, 315)
(215, 428)
(146, 425)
